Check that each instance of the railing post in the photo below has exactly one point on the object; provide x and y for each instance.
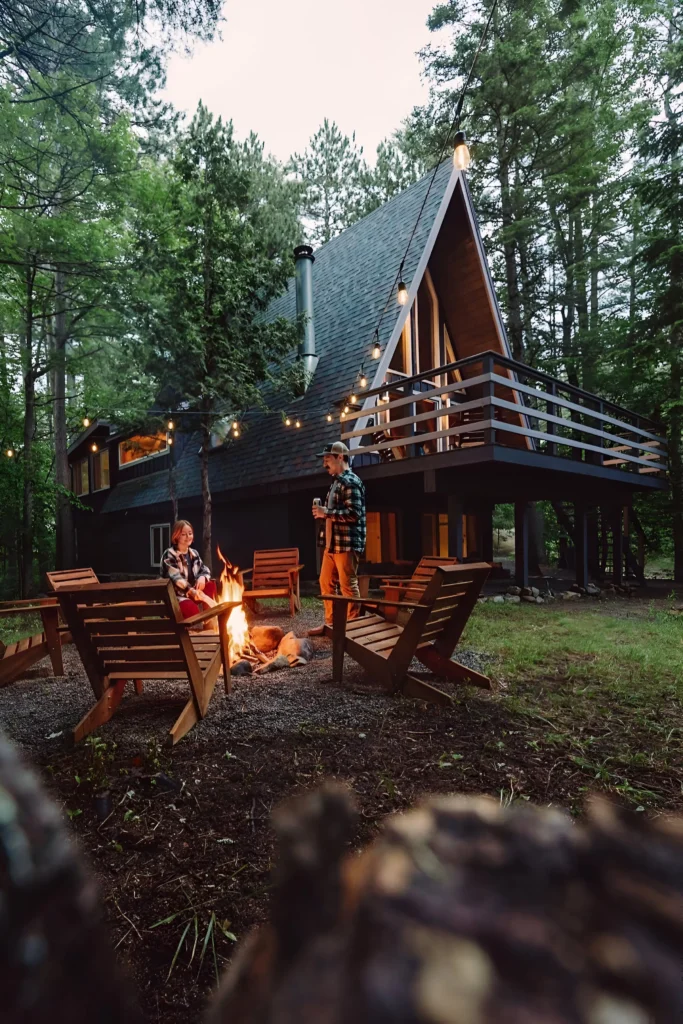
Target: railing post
(489, 409)
(551, 446)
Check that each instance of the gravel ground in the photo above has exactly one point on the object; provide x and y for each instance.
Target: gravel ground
(39, 713)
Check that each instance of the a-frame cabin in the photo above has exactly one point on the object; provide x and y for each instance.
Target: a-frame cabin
(443, 422)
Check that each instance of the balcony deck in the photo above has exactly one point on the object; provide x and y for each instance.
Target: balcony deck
(488, 408)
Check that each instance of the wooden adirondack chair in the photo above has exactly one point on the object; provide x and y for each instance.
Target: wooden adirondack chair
(275, 573)
(135, 631)
(385, 649)
(61, 578)
(16, 658)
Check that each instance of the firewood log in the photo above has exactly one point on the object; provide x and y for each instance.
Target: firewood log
(463, 912)
(55, 961)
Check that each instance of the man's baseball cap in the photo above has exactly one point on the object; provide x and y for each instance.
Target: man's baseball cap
(336, 448)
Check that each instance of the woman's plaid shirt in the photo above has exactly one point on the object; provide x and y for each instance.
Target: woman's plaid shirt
(174, 567)
(345, 506)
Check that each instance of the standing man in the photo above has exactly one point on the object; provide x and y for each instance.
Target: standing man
(344, 537)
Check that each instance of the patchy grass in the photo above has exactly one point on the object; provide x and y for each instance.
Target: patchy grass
(15, 627)
(607, 681)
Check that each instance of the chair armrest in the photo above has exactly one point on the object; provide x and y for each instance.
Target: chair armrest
(369, 600)
(209, 613)
(245, 572)
(294, 569)
(406, 585)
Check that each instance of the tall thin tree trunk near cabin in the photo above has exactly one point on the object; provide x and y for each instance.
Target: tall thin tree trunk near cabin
(29, 436)
(585, 344)
(171, 484)
(515, 331)
(206, 495)
(63, 511)
(676, 449)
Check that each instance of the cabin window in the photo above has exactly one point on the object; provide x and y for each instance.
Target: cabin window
(380, 543)
(142, 446)
(435, 534)
(80, 477)
(100, 470)
(425, 327)
(159, 540)
(401, 361)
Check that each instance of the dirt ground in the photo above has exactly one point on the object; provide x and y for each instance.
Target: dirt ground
(184, 859)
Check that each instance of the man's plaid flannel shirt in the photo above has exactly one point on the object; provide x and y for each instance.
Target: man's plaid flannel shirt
(174, 567)
(345, 506)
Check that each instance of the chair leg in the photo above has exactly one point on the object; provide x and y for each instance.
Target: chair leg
(138, 686)
(413, 687)
(184, 722)
(292, 604)
(50, 617)
(100, 712)
(339, 614)
(452, 670)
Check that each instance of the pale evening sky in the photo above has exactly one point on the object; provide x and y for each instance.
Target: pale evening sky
(282, 66)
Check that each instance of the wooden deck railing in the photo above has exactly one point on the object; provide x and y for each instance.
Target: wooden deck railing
(489, 399)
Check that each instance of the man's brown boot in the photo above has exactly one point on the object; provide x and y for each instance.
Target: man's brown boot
(316, 631)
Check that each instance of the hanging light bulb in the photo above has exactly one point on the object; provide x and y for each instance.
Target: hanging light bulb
(353, 399)
(236, 432)
(346, 409)
(343, 416)
(235, 425)
(10, 453)
(288, 422)
(171, 425)
(169, 440)
(376, 348)
(402, 295)
(363, 382)
(86, 421)
(298, 423)
(329, 417)
(93, 447)
(461, 154)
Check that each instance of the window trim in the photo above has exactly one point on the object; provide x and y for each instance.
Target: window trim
(162, 527)
(142, 458)
(98, 455)
(79, 464)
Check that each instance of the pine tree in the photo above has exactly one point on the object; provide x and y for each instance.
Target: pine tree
(332, 175)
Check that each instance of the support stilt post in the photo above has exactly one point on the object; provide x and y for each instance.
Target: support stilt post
(581, 541)
(455, 513)
(522, 543)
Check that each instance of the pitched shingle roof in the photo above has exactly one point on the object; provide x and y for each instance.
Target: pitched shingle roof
(352, 276)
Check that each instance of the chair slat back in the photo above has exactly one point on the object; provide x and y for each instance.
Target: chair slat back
(423, 574)
(446, 605)
(126, 628)
(271, 568)
(70, 577)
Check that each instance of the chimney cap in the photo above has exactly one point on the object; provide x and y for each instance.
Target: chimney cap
(302, 252)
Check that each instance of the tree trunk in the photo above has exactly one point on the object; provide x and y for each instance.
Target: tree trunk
(29, 436)
(171, 484)
(515, 330)
(585, 348)
(206, 495)
(63, 512)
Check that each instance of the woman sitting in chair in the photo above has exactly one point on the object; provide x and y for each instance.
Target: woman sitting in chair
(182, 565)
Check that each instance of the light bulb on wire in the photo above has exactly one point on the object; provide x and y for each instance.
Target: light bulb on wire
(93, 447)
(10, 453)
(288, 422)
(461, 154)
(297, 424)
(402, 294)
(363, 382)
(170, 425)
(376, 348)
(169, 440)
(86, 421)
(235, 432)
(329, 417)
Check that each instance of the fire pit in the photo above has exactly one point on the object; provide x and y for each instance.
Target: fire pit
(264, 647)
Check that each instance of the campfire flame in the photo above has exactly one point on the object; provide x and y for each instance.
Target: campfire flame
(231, 589)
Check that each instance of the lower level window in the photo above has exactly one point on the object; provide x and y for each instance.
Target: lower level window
(159, 540)
(80, 478)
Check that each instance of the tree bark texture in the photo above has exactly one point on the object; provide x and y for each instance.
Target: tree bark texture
(206, 496)
(29, 436)
(65, 555)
